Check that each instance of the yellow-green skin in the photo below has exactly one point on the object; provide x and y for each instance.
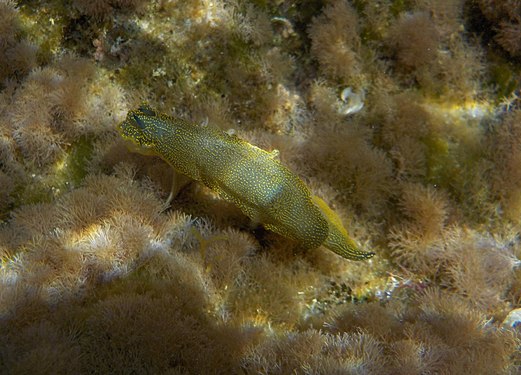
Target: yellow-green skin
(253, 179)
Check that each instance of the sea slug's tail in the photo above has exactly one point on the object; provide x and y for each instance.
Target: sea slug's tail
(338, 241)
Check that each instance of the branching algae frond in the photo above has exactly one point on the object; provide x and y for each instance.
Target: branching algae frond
(253, 179)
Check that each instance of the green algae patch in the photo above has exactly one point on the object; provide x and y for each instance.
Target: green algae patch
(438, 160)
(66, 174)
(504, 79)
(400, 6)
(44, 27)
(75, 164)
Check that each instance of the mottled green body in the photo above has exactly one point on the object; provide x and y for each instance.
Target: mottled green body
(252, 178)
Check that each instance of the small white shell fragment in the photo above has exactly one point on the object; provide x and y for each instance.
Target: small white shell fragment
(287, 29)
(352, 102)
(513, 319)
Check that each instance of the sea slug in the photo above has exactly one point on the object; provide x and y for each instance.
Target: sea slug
(252, 178)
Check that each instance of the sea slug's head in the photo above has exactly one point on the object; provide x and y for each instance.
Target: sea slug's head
(141, 128)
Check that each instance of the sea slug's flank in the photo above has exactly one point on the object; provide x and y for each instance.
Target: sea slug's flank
(253, 179)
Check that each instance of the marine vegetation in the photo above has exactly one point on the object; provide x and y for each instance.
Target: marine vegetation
(399, 120)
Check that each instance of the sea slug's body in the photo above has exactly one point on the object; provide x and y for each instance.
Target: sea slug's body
(252, 178)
